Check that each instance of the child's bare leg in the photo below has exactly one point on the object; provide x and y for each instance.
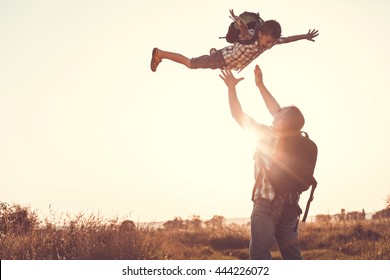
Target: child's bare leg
(176, 57)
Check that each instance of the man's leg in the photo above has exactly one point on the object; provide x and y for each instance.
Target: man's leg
(262, 230)
(287, 233)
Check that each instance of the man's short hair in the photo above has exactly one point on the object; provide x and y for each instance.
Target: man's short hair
(271, 27)
(293, 118)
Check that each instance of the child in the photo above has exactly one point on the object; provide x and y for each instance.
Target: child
(238, 55)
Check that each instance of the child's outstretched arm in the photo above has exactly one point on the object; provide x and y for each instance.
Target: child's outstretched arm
(308, 36)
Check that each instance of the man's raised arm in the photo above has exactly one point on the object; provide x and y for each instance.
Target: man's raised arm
(235, 107)
(271, 103)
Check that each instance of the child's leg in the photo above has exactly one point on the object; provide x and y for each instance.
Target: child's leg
(176, 57)
(212, 61)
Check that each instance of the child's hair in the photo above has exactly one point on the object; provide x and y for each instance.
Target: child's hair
(271, 27)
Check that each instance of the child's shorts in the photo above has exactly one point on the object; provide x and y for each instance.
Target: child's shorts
(212, 61)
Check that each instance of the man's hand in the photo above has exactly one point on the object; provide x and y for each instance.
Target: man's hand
(311, 34)
(271, 103)
(258, 76)
(229, 79)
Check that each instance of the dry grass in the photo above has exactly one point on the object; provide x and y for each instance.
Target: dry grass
(360, 240)
(90, 237)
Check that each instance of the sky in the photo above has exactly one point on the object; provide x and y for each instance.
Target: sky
(86, 127)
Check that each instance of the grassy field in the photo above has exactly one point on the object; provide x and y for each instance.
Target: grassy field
(24, 236)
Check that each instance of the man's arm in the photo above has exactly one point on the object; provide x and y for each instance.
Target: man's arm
(271, 103)
(308, 36)
(235, 107)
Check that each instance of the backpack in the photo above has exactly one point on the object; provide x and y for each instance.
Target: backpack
(252, 20)
(292, 166)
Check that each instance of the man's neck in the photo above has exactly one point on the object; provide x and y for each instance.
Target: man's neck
(285, 134)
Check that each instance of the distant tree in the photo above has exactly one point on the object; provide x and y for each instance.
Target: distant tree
(195, 223)
(216, 222)
(126, 227)
(3, 216)
(17, 219)
(342, 215)
(355, 216)
(323, 218)
(176, 223)
(385, 213)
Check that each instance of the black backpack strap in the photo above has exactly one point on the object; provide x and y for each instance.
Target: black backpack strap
(311, 197)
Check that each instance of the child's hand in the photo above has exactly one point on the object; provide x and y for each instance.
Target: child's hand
(234, 17)
(311, 34)
(258, 76)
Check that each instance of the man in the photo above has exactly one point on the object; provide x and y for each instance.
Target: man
(274, 215)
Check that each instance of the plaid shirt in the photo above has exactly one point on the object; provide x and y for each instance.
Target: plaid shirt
(266, 144)
(238, 56)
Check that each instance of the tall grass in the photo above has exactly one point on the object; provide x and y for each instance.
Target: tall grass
(364, 240)
(75, 238)
(90, 237)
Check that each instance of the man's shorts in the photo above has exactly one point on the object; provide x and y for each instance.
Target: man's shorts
(212, 61)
